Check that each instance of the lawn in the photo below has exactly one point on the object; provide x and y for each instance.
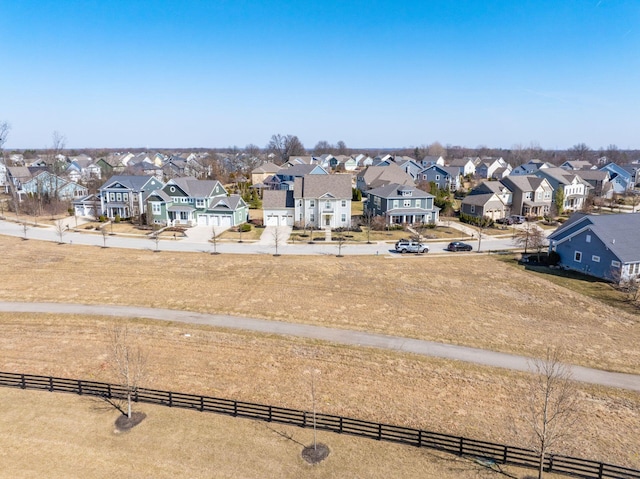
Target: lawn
(172, 443)
(473, 300)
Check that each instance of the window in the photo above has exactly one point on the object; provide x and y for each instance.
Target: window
(615, 264)
(312, 218)
(155, 208)
(184, 215)
(595, 259)
(395, 203)
(473, 208)
(118, 196)
(577, 256)
(125, 196)
(312, 203)
(588, 239)
(200, 203)
(327, 205)
(407, 203)
(634, 269)
(344, 217)
(112, 196)
(437, 177)
(377, 201)
(344, 203)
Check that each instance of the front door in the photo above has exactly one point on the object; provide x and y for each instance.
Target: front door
(327, 221)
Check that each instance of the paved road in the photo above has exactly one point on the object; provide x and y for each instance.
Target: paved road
(341, 336)
(199, 243)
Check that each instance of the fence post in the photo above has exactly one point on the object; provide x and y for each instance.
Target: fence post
(79, 387)
(109, 391)
(601, 471)
(340, 424)
(269, 419)
(235, 408)
(304, 418)
(504, 455)
(170, 399)
(461, 446)
(419, 438)
(201, 403)
(379, 431)
(50, 384)
(550, 462)
(23, 385)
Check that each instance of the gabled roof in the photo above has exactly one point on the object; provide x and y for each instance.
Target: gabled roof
(523, 182)
(132, 182)
(562, 176)
(267, 167)
(461, 162)
(480, 199)
(393, 190)
(301, 170)
(231, 202)
(273, 199)
(375, 176)
(618, 232)
(317, 186)
(489, 186)
(195, 188)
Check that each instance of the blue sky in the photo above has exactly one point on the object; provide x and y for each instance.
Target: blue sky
(372, 73)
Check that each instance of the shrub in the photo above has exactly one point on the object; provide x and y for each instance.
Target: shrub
(117, 219)
(554, 258)
(102, 218)
(244, 227)
(70, 211)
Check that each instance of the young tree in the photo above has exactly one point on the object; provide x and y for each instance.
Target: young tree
(105, 235)
(128, 361)
(341, 241)
(214, 240)
(278, 238)
(522, 237)
(61, 229)
(560, 200)
(25, 228)
(482, 224)
(155, 237)
(553, 405)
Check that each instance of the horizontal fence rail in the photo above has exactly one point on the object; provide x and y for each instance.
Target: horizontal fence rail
(486, 452)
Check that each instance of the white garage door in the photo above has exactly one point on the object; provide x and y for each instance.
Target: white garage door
(203, 220)
(224, 220)
(286, 220)
(272, 220)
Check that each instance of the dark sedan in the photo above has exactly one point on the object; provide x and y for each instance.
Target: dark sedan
(458, 246)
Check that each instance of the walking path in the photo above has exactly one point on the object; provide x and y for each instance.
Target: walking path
(341, 336)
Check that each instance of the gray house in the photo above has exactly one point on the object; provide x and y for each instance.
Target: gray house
(602, 246)
(446, 177)
(401, 204)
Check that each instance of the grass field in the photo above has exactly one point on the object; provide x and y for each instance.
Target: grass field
(174, 443)
(473, 300)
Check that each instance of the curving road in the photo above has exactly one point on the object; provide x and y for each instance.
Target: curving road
(341, 336)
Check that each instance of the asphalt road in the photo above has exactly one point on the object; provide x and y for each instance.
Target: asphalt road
(340, 336)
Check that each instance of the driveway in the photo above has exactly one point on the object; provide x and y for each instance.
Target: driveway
(340, 336)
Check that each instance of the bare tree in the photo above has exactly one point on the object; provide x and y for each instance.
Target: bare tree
(57, 166)
(285, 146)
(105, 235)
(522, 237)
(341, 148)
(553, 404)
(155, 237)
(128, 361)
(214, 240)
(341, 241)
(278, 237)
(61, 229)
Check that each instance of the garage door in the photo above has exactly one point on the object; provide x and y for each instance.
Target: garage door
(272, 220)
(224, 220)
(286, 220)
(203, 220)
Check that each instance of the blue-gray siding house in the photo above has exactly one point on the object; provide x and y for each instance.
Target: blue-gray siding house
(604, 246)
(401, 204)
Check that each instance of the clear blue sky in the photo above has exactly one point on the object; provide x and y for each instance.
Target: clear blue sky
(373, 73)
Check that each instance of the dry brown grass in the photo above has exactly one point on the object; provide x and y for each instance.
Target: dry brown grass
(472, 300)
(445, 396)
(62, 436)
(435, 298)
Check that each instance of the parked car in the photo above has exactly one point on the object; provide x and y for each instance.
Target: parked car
(517, 219)
(504, 221)
(408, 246)
(458, 246)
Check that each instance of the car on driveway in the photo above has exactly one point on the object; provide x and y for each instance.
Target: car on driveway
(408, 246)
(458, 246)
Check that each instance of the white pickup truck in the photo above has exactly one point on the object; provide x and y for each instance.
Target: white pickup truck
(408, 246)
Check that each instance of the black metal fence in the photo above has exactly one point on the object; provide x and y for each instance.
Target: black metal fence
(485, 451)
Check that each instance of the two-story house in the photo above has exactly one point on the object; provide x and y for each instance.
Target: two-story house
(445, 177)
(323, 201)
(126, 196)
(531, 195)
(375, 176)
(574, 188)
(400, 204)
(189, 201)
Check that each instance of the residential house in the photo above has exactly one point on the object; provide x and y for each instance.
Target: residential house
(299, 160)
(621, 178)
(39, 182)
(602, 246)
(400, 204)
(363, 160)
(88, 205)
(575, 189)
(529, 168)
(262, 172)
(488, 167)
(285, 177)
(3, 176)
(576, 165)
(409, 166)
(126, 195)
(323, 200)
(531, 195)
(465, 166)
(445, 177)
(189, 201)
(484, 205)
(376, 176)
(278, 207)
(432, 160)
(598, 182)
